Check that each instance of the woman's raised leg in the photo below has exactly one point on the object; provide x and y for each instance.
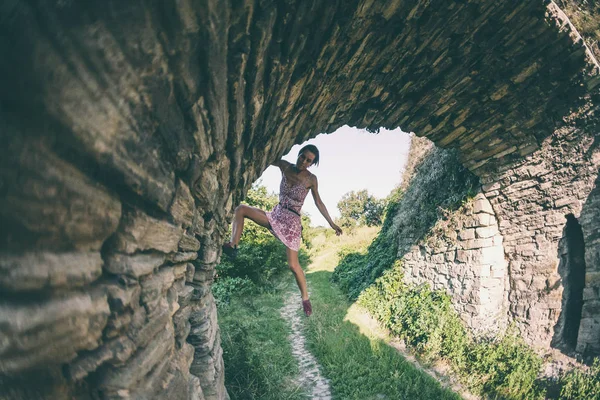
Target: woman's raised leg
(242, 212)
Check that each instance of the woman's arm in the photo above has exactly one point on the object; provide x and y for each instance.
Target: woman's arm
(281, 164)
(314, 188)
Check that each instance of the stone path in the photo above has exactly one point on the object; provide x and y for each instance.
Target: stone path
(310, 378)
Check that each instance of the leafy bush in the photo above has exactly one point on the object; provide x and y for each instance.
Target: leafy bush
(425, 319)
(578, 384)
(227, 287)
(361, 208)
(504, 367)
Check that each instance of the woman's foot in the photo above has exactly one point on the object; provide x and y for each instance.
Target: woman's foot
(307, 307)
(230, 250)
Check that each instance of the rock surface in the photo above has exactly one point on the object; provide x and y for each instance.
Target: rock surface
(130, 131)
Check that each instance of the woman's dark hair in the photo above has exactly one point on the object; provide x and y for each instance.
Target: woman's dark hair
(313, 149)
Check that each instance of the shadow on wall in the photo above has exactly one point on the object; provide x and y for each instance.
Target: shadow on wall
(586, 245)
(571, 267)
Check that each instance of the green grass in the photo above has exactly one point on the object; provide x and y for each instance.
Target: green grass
(256, 351)
(360, 367)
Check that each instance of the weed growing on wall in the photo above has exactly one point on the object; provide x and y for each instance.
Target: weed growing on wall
(578, 384)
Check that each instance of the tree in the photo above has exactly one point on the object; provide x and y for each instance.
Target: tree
(362, 208)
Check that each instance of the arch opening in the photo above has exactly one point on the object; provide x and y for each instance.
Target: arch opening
(572, 271)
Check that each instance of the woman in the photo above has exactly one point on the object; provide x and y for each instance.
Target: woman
(284, 220)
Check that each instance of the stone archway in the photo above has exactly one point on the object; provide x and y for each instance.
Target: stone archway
(131, 130)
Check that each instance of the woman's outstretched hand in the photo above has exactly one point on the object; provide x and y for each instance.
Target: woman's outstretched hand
(337, 229)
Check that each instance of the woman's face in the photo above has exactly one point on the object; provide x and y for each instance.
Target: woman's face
(305, 160)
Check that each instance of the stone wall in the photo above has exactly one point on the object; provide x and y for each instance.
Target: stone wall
(531, 201)
(510, 254)
(111, 298)
(131, 130)
(463, 255)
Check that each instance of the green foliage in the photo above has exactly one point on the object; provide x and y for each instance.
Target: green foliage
(440, 184)
(225, 287)
(425, 319)
(577, 384)
(358, 268)
(259, 197)
(257, 354)
(359, 367)
(360, 208)
(503, 367)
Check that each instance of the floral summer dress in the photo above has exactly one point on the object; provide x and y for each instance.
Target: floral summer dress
(285, 217)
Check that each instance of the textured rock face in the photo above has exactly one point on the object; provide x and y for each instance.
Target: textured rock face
(464, 255)
(531, 201)
(129, 131)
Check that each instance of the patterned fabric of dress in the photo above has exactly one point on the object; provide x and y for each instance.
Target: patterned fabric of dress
(285, 217)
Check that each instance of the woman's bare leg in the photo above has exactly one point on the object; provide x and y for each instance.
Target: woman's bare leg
(241, 212)
(294, 264)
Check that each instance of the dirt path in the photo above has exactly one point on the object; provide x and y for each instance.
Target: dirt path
(310, 378)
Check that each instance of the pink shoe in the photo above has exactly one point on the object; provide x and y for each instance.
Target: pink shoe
(307, 307)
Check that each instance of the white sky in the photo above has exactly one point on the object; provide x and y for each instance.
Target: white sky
(350, 159)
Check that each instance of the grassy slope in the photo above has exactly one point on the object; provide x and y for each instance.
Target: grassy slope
(257, 354)
(358, 366)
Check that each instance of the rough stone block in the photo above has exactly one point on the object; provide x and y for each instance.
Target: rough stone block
(146, 325)
(189, 275)
(590, 293)
(182, 207)
(140, 364)
(466, 234)
(182, 257)
(490, 255)
(196, 390)
(526, 249)
(155, 286)
(53, 204)
(42, 270)
(463, 256)
(117, 324)
(116, 352)
(204, 276)
(437, 258)
(185, 295)
(592, 278)
(189, 243)
(486, 232)
(51, 332)
(121, 297)
(139, 231)
(491, 186)
(482, 205)
(180, 270)
(135, 265)
(591, 309)
(477, 243)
